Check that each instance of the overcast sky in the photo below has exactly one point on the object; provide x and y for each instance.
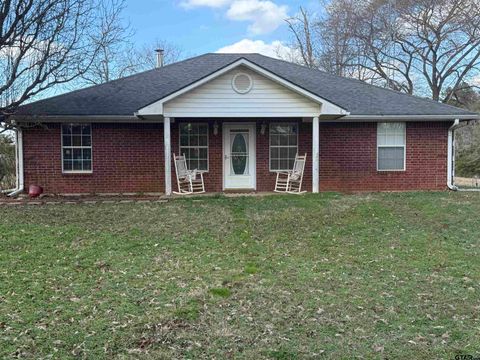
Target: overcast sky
(200, 26)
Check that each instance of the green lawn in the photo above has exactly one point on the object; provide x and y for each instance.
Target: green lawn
(284, 277)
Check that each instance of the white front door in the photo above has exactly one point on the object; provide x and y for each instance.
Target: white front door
(239, 156)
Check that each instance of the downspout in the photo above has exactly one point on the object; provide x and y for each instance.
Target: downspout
(19, 162)
(451, 158)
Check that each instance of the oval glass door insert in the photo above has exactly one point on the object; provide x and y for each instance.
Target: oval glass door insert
(239, 153)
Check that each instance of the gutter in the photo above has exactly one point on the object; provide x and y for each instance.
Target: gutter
(77, 118)
(19, 163)
(462, 117)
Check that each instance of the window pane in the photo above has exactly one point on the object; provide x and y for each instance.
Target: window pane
(284, 152)
(67, 154)
(382, 139)
(67, 140)
(66, 129)
(274, 164)
(76, 129)
(390, 139)
(77, 140)
(194, 153)
(284, 164)
(274, 140)
(283, 139)
(77, 154)
(292, 152)
(203, 140)
(86, 140)
(292, 139)
(203, 153)
(203, 129)
(390, 158)
(391, 134)
(275, 129)
(193, 140)
(400, 139)
(184, 140)
(202, 165)
(275, 153)
(86, 154)
(67, 165)
(77, 164)
(194, 129)
(86, 129)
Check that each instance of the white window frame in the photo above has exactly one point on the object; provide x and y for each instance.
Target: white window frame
(198, 146)
(270, 143)
(395, 146)
(77, 147)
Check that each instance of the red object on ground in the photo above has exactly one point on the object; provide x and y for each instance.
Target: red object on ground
(34, 191)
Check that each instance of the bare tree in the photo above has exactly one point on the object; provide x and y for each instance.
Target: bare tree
(113, 41)
(426, 47)
(305, 41)
(120, 57)
(47, 43)
(339, 48)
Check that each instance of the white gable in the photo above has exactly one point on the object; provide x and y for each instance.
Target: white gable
(218, 98)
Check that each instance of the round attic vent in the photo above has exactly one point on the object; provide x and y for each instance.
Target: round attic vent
(242, 83)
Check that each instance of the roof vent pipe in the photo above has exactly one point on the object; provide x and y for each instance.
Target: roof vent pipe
(159, 57)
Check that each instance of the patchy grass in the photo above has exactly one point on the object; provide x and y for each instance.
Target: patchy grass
(222, 292)
(280, 277)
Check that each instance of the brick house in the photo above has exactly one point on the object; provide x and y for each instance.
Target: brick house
(120, 136)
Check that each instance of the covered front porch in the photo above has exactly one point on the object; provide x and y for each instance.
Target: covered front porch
(241, 156)
(240, 125)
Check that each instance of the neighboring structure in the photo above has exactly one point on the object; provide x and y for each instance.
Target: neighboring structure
(239, 118)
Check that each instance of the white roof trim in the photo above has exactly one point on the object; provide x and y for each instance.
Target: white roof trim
(327, 108)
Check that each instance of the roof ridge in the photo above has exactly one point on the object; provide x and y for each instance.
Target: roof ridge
(111, 81)
(365, 83)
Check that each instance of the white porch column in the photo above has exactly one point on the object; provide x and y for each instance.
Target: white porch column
(168, 156)
(315, 155)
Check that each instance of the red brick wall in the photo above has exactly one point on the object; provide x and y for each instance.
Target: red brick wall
(348, 158)
(126, 158)
(129, 158)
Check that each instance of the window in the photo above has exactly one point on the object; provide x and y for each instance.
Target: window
(283, 146)
(194, 144)
(76, 148)
(391, 146)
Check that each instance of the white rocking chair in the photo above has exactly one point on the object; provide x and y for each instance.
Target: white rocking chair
(189, 181)
(291, 181)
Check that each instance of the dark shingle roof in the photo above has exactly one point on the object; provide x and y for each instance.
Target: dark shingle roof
(127, 95)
